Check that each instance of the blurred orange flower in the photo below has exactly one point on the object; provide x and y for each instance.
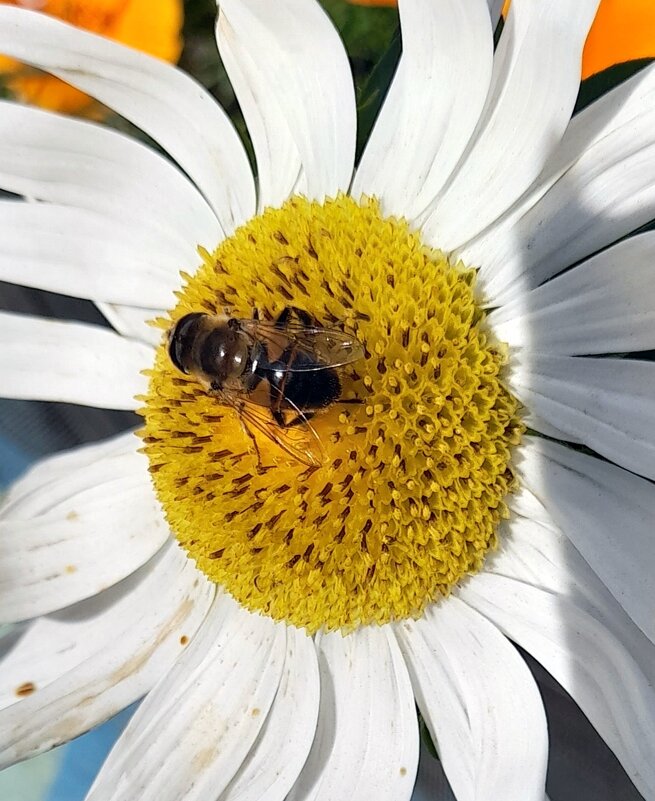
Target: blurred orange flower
(623, 30)
(143, 24)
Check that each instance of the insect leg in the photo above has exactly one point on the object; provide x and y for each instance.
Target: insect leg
(286, 312)
(251, 437)
(299, 420)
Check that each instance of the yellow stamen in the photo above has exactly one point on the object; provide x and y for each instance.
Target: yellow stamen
(411, 492)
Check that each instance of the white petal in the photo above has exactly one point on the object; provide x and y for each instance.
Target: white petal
(539, 554)
(580, 763)
(88, 255)
(290, 53)
(584, 657)
(606, 512)
(284, 741)
(132, 321)
(432, 108)
(598, 187)
(43, 359)
(193, 731)
(495, 8)
(607, 404)
(537, 423)
(24, 496)
(279, 166)
(605, 305)
(160, 99)
(92, 660)
(78, 534)
(480, 702)
(533, 90)
(74, 163)
(366, 744)
(527, 505)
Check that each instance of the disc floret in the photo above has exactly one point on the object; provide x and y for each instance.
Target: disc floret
(412, 488)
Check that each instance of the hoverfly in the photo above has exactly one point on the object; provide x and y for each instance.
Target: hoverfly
(276, 374)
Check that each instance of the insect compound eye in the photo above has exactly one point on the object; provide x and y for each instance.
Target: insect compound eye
(238, 357)
(181, 339)
(224, 354)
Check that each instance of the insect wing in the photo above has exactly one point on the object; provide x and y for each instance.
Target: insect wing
(331, 346)
(328, 347)
(299, 440)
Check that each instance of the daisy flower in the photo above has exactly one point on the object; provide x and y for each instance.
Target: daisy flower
(492, 486)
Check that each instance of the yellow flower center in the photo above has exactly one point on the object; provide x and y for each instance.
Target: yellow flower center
(411, 489)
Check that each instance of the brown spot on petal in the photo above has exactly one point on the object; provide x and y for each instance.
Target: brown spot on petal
(25, 689)
(140, 658)
(203, 759)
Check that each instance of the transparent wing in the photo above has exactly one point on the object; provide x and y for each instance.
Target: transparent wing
(299, 440)
(328, 347)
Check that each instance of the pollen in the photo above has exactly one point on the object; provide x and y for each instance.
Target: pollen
(408, 497)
